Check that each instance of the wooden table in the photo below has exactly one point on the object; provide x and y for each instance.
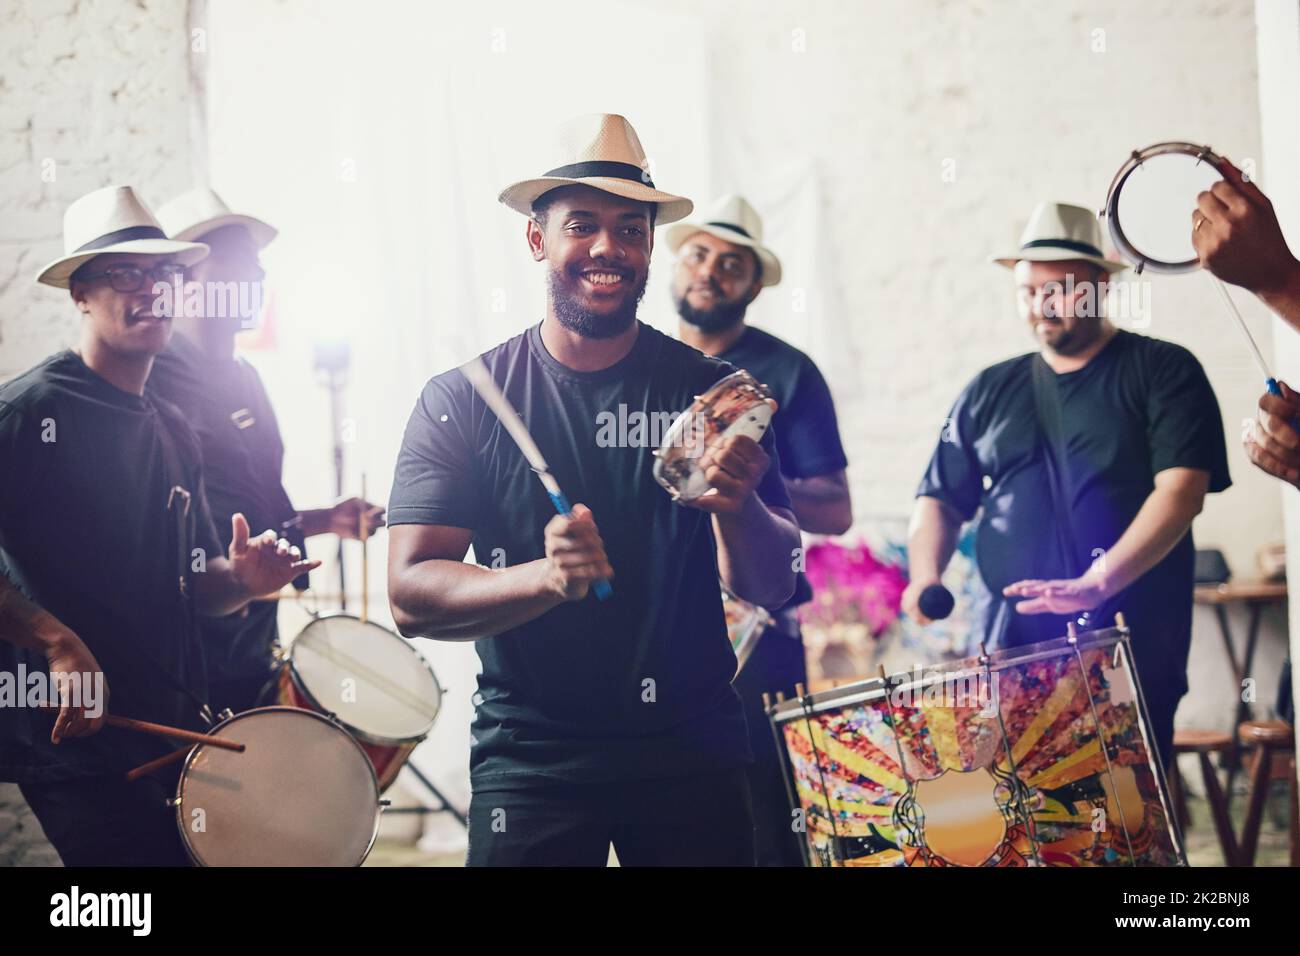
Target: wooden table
(1255, 596)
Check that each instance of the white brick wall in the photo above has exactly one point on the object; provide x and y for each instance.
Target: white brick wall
(91, 93)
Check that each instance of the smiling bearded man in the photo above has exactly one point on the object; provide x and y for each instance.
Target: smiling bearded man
(599, 722)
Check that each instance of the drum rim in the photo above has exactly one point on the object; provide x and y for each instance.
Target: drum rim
(870, 688)
(337, 725)
(368, 736)
(1110, 211)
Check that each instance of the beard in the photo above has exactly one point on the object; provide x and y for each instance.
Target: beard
(1071, 341)
(591, 325)
(720, 317)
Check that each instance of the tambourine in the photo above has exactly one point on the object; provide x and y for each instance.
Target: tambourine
(1149, 212)
(737, 405)
(1150, 202)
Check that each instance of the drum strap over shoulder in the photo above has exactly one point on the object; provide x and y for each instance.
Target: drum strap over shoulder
(1051, 428)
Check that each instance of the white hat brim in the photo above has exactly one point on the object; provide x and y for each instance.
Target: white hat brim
(679, 233)
(261, 232)
(521, 196)
(1056, 254)
(58, 272)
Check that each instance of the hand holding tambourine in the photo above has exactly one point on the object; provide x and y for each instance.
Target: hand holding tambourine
(710, 457)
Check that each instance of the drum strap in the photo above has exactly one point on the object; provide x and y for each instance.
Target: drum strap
(183, 513)
(1051, 428)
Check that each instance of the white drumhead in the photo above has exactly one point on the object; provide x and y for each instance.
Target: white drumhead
(302, 793)
(371, 679)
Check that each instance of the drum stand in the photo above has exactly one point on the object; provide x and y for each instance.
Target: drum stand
(444, 805)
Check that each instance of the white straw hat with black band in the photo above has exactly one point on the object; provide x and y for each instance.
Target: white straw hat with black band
(600, 150)
(112, 219)
(734, 220)
(1058, 232)
(194, 214)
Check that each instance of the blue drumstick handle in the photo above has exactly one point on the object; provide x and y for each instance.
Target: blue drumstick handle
(1273, 389)
(601, 587)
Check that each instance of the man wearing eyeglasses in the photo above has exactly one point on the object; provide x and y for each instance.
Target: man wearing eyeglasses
(226, 405)
(108, 551)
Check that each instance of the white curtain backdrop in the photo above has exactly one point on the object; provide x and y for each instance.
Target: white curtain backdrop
(376, 138)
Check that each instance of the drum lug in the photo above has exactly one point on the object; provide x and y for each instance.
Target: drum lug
(172, 802)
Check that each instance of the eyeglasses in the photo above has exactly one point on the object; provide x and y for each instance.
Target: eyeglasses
(131, 278)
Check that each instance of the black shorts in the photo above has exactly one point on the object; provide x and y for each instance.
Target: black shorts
(696, 820)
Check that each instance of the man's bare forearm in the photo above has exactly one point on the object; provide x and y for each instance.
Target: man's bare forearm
(821, 504)
(1160, 523)
(1284, 298)
(931, 539)
(217, 592)
(453, 601)
(28, 625)
(756, 553)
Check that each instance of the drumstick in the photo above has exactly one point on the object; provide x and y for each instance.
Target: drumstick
(161, 730)
(175, 733)
(365, 554)
(477, 374)
(1245, 332)
(156, 764)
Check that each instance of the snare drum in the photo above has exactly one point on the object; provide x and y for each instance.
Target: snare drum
(745, 625)
(374, 683)
(1032, 756)
(737, 405)
(302, 793)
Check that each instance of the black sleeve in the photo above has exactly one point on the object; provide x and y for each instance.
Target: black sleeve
(954, 475)
(18, 458)
(206, 534)
(771, 487)
(810, 443)
(434, 481)
(1184, 426)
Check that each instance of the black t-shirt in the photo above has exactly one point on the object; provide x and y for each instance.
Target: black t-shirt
(86, 533)
(807, 434)
(638, 685)
(1139, 407)
(226, 405)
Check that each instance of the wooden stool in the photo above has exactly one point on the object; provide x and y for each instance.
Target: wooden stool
(1273, 759)
(1203, 743)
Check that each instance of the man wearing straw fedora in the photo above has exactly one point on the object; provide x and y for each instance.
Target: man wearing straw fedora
(225, 403)
(722, 265)
(608, 721)
(1115, 436)
(107, 549)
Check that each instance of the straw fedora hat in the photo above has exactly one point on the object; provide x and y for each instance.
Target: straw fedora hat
(112, 219)
(1058, 232)
(600, 150)
(196, 213)
(733, 219)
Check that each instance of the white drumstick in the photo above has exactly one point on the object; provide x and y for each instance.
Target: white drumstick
(1245, 330)
(479, 377)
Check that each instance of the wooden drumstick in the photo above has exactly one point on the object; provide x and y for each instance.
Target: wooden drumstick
(157, 764)
(175, 733)
(365, 553)
(162, 730)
